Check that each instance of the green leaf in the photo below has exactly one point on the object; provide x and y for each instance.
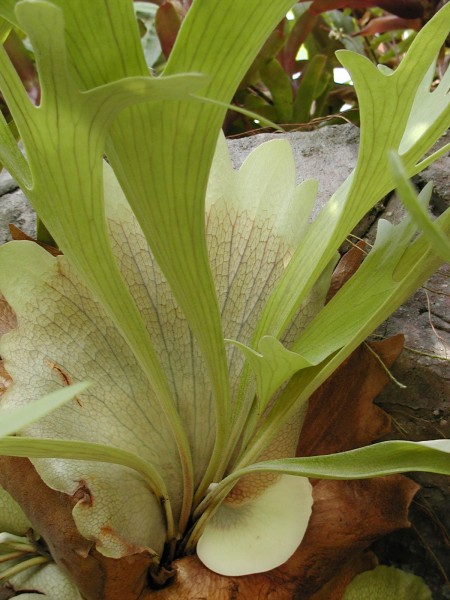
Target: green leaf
(12, 517)
(7, 10)
(387, 583)
(278, 82)
(386, 104)
(272, 364)
(309, 88)
(439, 242)
(384, 458)
(65, 138)
(17, 419)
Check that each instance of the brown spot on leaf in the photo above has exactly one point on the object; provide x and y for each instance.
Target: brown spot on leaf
(5, 379)
(62, 375)
(83, 494)
(8, 320)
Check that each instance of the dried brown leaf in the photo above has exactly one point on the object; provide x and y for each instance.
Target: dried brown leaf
(341, 414)
(347, 517)
(388, 23)
(19, 235)
(335, 588)
(167, 23)
(346, 267)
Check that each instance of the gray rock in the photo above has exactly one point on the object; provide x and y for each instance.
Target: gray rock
(14, 208)
(439, 174)
(327, 155)
(7, 183)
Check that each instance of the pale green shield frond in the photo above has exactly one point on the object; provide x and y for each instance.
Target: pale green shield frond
(12, 518)
(172, 339)
(387, 583)
(65, 336)
(255, 217)
(256, 534)
(49, 582)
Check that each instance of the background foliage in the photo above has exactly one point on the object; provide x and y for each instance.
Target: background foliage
(296, 80)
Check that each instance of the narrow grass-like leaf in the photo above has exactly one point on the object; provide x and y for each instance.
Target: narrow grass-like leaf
(384, 458)
(388, 276)
(309, 88)
(439, 242)
(17, 419)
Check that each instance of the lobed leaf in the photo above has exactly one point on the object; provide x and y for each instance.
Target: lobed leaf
(386, 104)
(432, 232)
